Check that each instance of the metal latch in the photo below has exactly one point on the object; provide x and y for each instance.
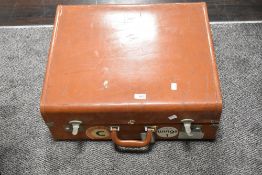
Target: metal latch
(143, 134)
(187, 125)
(75, 126)
(152, 128)
(190, 131)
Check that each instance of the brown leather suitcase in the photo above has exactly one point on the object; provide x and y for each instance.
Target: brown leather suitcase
(132, 74)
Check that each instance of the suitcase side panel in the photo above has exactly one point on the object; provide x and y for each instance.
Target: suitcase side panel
(128, 132)
(48, 66)
(132, 124)
(214, 65)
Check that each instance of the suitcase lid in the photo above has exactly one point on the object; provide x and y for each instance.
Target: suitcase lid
(109, 58)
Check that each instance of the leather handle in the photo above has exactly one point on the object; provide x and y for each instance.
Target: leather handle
(131, 143)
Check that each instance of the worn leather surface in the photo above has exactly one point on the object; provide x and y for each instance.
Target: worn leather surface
(102, 58)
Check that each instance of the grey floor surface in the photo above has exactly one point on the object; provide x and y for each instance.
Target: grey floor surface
(26, 146)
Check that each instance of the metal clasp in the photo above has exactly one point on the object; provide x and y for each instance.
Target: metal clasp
(114, 128)
(150, 128)
(75, 126)
(187, 125)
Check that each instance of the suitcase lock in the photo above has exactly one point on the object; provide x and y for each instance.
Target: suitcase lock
(190, 131)
(187, 125)
(75, 124)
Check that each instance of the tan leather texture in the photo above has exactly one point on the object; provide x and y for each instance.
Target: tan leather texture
(112, 64)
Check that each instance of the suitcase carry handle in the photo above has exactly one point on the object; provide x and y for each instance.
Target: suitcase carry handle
(131, 143)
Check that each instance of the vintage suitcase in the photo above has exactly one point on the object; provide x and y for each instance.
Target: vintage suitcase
(133, 74)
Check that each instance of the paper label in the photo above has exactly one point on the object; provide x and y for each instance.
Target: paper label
(140, 96)
(98, 132)
(167, 132)
(173, 86)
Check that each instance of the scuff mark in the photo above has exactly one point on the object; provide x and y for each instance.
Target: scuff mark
(97, 53)
(105, 84)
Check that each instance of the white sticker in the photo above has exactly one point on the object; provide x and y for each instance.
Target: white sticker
(98, 132)
(173, 86)
(167, 132)
(172, 117)
(105, 84)
(140, 96)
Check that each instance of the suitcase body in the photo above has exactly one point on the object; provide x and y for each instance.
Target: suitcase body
(133, 74)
